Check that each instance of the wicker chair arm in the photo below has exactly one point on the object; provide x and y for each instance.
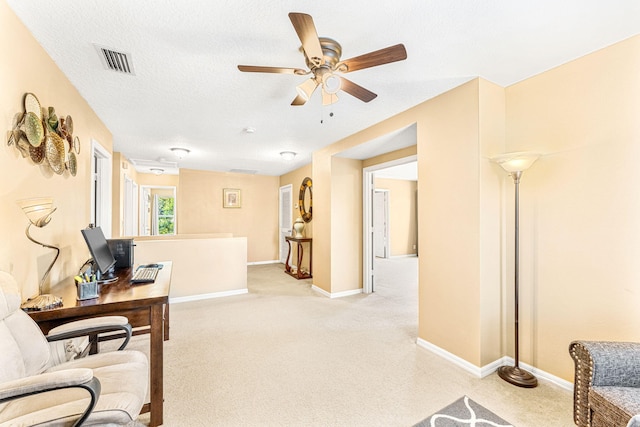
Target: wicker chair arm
(602, 363)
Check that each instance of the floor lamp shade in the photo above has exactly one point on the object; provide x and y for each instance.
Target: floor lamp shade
(515, 164)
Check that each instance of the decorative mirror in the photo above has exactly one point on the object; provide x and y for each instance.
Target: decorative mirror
(305, 199)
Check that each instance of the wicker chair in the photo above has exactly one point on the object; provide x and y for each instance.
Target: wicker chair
(607, 383)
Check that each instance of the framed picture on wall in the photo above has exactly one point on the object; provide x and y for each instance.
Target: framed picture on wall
(231, 198)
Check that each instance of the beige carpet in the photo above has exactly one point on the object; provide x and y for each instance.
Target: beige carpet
(284, 355)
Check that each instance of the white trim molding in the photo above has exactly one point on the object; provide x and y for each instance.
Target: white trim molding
(336, 294)
(275, 261)
(199, 297)
(490, 368)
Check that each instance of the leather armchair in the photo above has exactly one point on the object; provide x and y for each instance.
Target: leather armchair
(101, 389)
(607, 383)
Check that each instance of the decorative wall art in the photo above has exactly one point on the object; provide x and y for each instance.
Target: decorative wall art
(305, 194)
(231, 198)
(40, 135)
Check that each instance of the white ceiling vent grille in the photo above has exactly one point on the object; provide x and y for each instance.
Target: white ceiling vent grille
(115, 61)
(245, 171)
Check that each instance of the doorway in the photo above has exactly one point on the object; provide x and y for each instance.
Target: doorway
(101, 187)
(369, 231)
(157, 210)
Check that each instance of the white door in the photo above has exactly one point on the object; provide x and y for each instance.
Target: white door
(286, 222)
(381, 223)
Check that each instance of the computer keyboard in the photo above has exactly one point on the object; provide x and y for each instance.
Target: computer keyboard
(145, 275)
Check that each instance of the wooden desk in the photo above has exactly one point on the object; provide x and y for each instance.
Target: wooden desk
(298, 274)
(145, 305)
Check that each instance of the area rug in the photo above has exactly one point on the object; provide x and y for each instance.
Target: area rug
(464, 412)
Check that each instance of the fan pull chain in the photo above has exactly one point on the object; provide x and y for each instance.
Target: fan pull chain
(322, 112)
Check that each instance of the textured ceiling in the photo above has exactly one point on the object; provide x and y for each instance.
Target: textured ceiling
(188, 92)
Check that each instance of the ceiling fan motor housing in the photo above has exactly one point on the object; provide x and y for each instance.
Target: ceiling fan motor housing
(331, 50)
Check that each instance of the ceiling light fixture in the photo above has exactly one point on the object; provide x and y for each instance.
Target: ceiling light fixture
(331, 83)
(180, 153)
(156, 171)
(288, 155)
(306, 88)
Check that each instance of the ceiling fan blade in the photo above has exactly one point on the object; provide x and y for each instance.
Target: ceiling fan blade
(308, 36)
(299, 100)
(371, 59)
(277, 70)
(357, 91)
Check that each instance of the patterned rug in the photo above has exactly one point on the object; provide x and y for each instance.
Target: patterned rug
(464, 412)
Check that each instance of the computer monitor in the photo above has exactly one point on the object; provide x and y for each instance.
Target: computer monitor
(99, 248)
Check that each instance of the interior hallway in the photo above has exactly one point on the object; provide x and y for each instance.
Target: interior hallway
(283, 355)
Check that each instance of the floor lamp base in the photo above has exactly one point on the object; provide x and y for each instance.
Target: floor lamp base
(42, 302)
(517, 376)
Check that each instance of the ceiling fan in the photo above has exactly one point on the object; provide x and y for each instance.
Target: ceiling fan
(322, 56)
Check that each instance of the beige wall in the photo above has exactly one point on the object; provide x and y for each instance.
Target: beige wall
(150, 179)
(403, 223)
(200, 209)
(346, 224)
(390, 156)
(26, 67)
(202, 265)
(580, 204)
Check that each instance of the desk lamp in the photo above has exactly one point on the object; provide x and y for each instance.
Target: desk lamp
(38, 211)
(515, 164)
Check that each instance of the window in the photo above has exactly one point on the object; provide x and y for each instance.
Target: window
(165, 214)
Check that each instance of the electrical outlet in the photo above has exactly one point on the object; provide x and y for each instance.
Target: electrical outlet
(414, 246)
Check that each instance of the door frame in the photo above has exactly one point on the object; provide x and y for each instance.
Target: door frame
(282, 249)
(101, 166)
(130, 207)
(368, 187)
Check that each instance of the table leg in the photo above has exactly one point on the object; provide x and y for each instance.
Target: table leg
(287, 266)
(156, 365)
(166, 322)
(300, 254)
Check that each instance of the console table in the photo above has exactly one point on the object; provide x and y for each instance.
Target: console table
(298, 273)
(145, 305)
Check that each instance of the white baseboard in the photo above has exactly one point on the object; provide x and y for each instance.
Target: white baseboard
(275, 261)
(336, 294)
(490, 368)
(189, 298)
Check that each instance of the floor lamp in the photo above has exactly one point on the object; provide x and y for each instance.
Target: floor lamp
(515, 164)
(39, 211)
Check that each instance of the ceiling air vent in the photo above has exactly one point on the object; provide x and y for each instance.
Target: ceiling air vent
(246, 171)
(114, 60)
